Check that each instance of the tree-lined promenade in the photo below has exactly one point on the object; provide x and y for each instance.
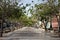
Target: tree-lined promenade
(11, 12)
(13, 15)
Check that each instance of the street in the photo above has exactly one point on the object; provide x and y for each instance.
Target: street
(29, 33)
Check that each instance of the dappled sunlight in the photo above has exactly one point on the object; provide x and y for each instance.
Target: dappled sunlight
(29, 19)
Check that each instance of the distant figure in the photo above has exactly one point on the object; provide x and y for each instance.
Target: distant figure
(55, 24)
(40, 23)
(36, 25)
(43, 26)
(48, 26)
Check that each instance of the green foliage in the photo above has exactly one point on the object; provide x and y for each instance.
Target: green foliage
(48, 9)
(26, 21)
(59, 3)
(10, 9)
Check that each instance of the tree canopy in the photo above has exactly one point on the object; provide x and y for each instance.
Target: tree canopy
(10, 8)
(47, 9)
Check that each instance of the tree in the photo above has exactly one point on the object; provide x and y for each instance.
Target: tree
(9, 9)
(47, 9)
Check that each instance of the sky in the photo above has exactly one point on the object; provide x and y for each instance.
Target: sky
(32, 4)
(30, 1)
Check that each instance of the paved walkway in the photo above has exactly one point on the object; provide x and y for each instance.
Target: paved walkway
(29, 33)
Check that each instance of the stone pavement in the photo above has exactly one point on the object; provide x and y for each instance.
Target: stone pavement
(29, 33)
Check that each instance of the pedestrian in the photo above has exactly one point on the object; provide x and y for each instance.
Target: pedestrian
(42, 25)
(45, 25)
(55, 24)
(48, 25)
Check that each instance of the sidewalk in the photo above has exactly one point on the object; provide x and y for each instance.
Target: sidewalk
(9, 33)
(39, 30)
(29, 33)
(54, 34)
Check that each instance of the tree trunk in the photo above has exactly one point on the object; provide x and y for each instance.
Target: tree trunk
(1, 30)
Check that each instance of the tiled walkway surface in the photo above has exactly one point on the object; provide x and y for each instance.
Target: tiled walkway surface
(29, 34)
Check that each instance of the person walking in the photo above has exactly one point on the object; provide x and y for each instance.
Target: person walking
(48, 26)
